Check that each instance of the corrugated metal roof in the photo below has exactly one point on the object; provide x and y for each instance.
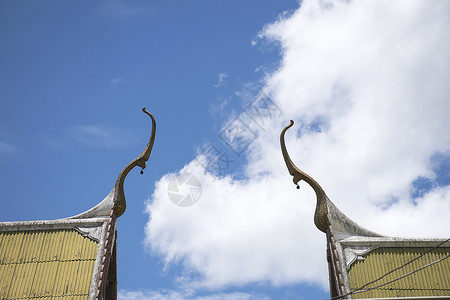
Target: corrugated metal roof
(430, 281)
(46, 264)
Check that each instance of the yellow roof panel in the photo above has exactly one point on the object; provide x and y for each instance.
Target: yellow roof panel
(429, 275)
(46, 264)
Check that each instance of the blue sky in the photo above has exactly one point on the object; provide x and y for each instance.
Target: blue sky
(370, 101)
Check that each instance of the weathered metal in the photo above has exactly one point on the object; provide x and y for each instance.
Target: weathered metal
(363, 263)
(116, 197)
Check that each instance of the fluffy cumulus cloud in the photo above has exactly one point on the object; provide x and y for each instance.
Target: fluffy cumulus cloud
(183, 295)
(367, 84)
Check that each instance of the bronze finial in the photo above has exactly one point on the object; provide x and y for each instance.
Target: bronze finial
(326, 213)
(320, 216)
(116, 198)
(119, 195)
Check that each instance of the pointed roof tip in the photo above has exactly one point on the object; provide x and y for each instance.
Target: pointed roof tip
(119, 195)
(293, 170)
(145, 155)
(320, 215)
(326, 213)
(116, 198)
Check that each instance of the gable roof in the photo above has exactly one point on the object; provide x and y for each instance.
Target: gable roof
(379, 273)
(365, 264)
(70, 258)
(46, 263)
(53, 258)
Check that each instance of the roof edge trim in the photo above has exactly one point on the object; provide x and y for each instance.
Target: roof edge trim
(51, 224)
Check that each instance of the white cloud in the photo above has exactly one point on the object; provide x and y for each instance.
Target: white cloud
(236, 232)
(233, 296)
(117, 81)
(221, 81)
(149, 295)
(184, 295)
(367, 84)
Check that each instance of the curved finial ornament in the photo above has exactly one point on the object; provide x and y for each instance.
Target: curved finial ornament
(115, 200)
(145, 155)
(320, 215)
(119, 201)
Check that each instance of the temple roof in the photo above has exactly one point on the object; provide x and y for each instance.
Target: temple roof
(65, 258)
(365, 264)
(116, 197)
(69, 258)
(397, 281)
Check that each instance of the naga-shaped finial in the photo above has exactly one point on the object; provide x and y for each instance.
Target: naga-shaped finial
(326, 213)
(320, 215)
(120, 203)
(116, 198)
